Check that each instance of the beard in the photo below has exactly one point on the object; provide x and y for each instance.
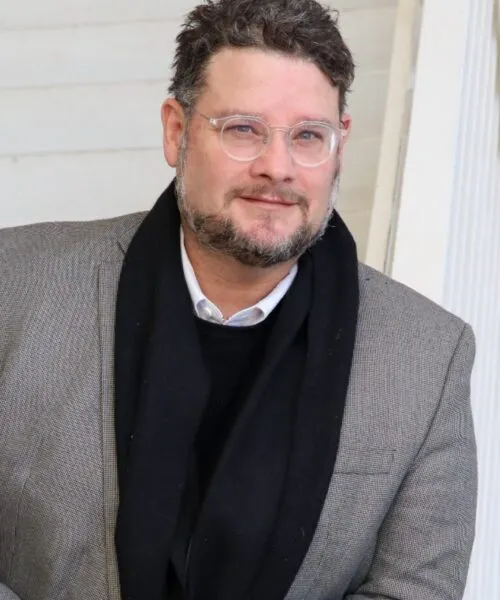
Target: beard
(219, 233)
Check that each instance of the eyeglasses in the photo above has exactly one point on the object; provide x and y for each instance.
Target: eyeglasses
(245, 138)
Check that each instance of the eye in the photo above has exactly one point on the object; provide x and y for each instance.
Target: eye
(308, 135)
(242, 129)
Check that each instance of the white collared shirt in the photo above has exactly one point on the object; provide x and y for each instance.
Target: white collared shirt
(206, 310)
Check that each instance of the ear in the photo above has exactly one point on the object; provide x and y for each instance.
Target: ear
(174, 121)
(345, 132)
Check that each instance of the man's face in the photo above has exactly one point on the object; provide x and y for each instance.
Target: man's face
(269, 210)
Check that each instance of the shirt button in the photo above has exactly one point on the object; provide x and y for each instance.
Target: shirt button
(207, 311)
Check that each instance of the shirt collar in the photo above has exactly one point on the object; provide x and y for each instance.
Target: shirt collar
(208, 311)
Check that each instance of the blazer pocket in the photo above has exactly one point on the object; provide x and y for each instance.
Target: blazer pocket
(364, 461)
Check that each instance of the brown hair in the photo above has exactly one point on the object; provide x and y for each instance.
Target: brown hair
(299, 28)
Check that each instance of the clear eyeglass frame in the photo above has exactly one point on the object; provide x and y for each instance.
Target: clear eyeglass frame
(335, 133)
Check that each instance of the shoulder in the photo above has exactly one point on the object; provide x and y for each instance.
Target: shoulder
(412, 357)
(403, 316)
(53, 241)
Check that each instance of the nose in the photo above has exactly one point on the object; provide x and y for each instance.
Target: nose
(275, 163)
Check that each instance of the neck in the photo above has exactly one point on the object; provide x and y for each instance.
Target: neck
(227, 283)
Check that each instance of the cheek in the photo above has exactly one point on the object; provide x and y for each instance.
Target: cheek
(319, 192)
(209, 176)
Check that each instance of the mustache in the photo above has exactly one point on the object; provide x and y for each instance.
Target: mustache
(267, 190)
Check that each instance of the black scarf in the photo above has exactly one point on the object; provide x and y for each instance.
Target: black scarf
(263, 504)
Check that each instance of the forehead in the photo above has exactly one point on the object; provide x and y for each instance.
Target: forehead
(270, 83)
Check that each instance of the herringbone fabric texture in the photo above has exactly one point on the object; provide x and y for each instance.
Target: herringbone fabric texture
(398, 521)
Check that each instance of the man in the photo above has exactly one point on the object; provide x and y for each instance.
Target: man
(215, 401)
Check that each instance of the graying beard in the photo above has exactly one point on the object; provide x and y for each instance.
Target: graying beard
(219, 234)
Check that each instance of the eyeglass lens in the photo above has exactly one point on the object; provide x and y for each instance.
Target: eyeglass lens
(245, 138)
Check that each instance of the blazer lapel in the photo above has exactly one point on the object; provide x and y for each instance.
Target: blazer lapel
(109, 274)
(362, 484)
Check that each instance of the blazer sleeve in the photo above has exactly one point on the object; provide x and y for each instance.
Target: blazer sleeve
(7, 594)
(425, 542)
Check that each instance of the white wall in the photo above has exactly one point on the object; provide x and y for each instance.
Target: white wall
(81, 85)
(448, 242)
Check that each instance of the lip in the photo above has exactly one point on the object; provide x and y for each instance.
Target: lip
(270, 200)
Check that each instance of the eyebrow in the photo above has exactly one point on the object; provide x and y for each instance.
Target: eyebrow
(221, 114)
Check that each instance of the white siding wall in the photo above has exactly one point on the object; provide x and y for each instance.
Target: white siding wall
(472, 276)
(448, 242)
(81, 85)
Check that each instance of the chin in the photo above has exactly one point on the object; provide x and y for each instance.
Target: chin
(268, 225)
(267, 234)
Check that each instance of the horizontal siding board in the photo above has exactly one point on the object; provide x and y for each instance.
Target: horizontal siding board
(116, 53)
(144, 51)
(359, 224)
(98, 185)
(361, 163)
(77, 119)
(80, 187)
(81, 85)
(112, 117)
(350, 5)
(59, 13)
(62, 13)
(354, 199)
(367, 103)
(369, 34)
(93, 186)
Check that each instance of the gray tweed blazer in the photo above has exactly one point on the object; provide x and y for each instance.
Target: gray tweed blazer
(398, 520)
